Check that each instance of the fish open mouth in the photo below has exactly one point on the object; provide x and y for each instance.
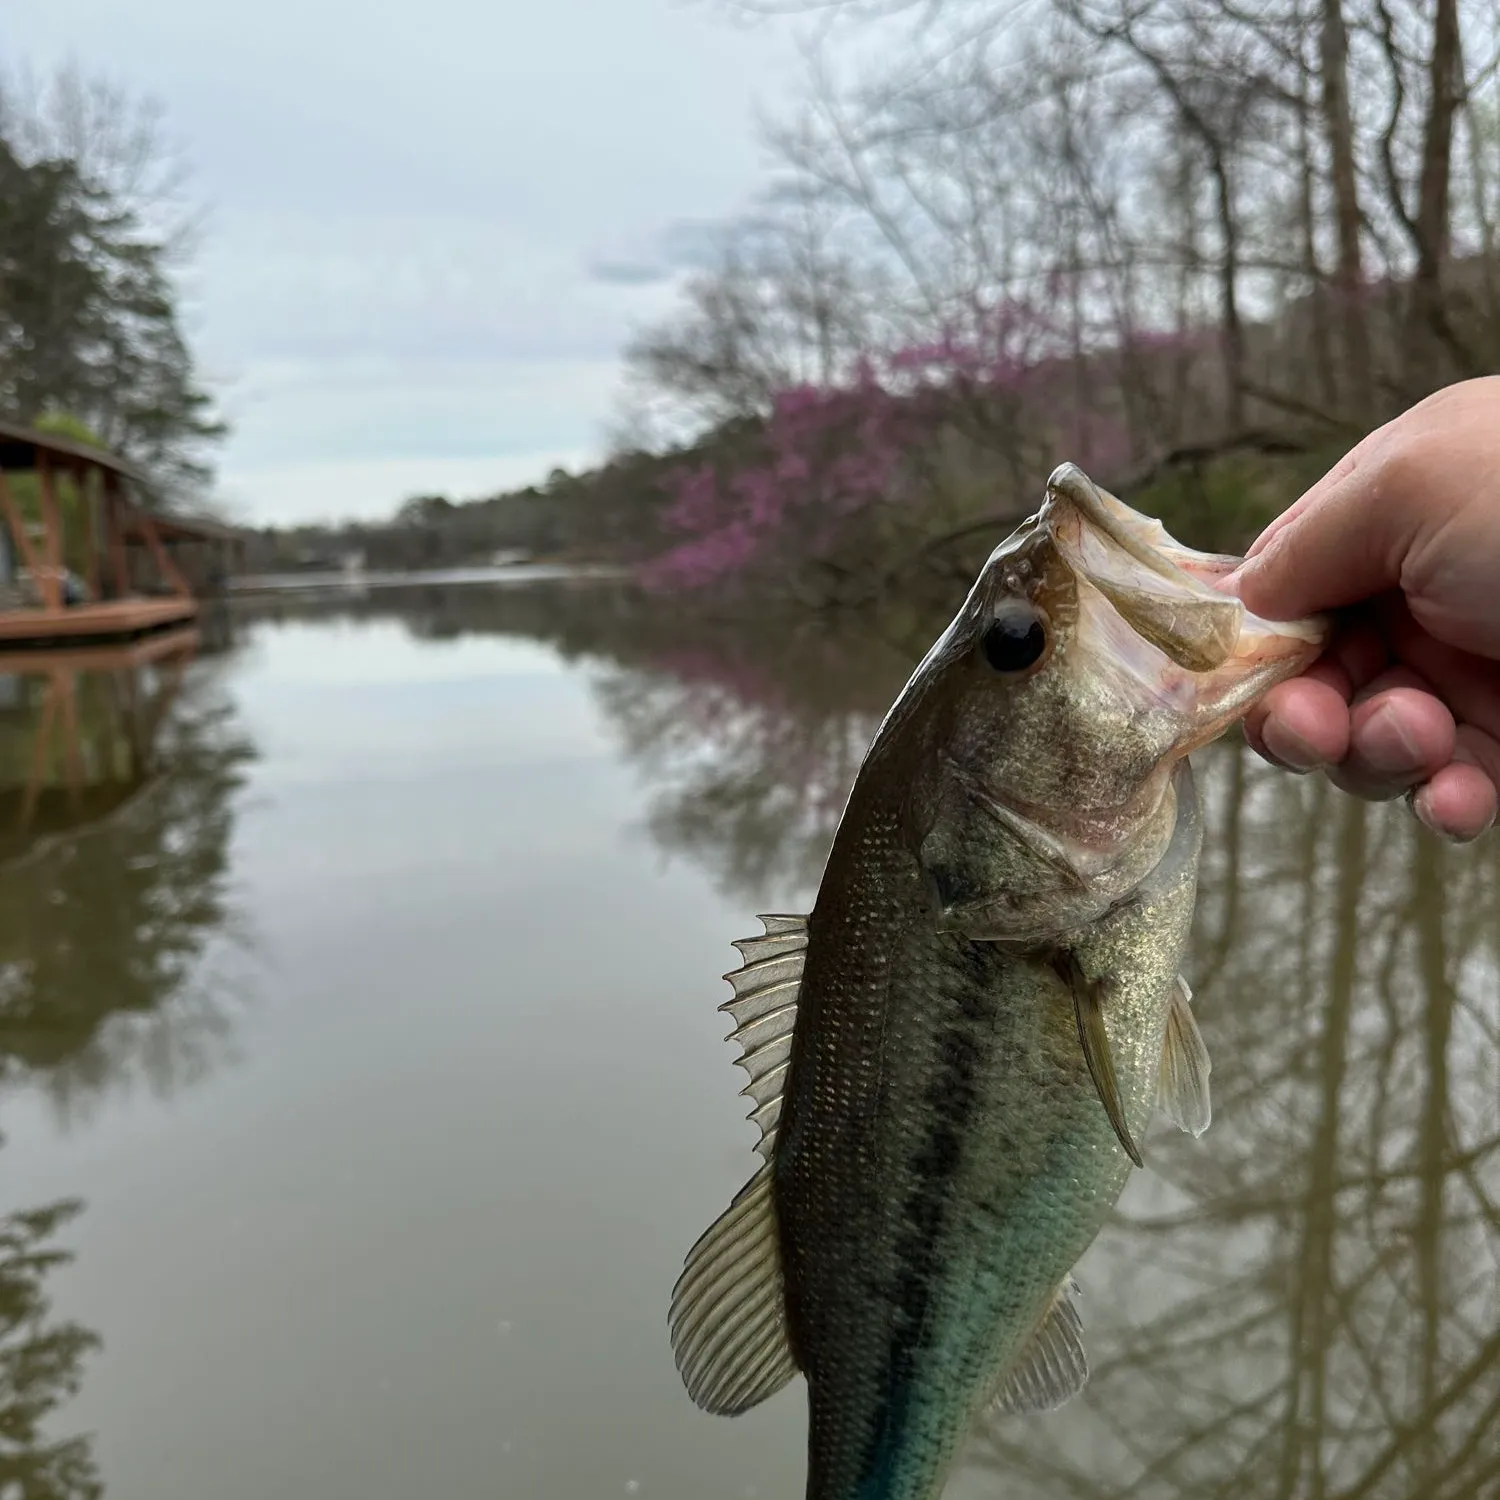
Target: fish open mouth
(1166, 592)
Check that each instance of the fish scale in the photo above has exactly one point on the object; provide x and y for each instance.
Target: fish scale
(953, 1059)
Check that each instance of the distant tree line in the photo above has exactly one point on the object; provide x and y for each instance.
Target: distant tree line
(1196, 246)
(91, 235)
(608, 513)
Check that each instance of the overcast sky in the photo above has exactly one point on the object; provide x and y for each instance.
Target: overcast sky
(431, 225)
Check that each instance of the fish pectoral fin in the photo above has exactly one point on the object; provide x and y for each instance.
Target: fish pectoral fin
(1088, 1008)
(1183, 1092)
(1053, 1367)
(765, 1011)
(728, 1315)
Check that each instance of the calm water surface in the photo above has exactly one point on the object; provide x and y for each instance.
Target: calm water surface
(358, 1043)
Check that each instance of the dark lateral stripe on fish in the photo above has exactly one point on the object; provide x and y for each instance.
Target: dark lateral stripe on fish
(952, 1098)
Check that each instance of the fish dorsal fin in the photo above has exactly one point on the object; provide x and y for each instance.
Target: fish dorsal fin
(728, 1316)
(765, 1010)
(1183, 1091)
(1053, 1367)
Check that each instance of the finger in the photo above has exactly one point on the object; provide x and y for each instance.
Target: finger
(1360, 649)
(1342, 542)
(1400, 734)
(1469, 684)
(1461, 801)
(1336, 475)
(1302, 725)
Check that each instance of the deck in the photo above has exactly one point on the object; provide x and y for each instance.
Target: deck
(74, 522)
(111, 619)
(113, 655)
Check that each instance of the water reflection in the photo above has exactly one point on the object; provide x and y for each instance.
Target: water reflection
(116, 774)
(41, 1365)
(117, 766)
(747, 756)
(1306, 1303)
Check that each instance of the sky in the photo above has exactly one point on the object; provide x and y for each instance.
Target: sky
(430, 227)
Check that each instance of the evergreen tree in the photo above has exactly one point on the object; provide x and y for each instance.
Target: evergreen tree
(89, 321)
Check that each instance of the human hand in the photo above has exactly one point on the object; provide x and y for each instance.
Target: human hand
(1406, 698)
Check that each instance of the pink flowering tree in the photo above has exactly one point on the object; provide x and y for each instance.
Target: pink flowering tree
(930, 434)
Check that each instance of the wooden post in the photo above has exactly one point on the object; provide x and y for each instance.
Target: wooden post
(169, 569)
(114, 526)
(52, 585)
(89, 503)
(17, 524)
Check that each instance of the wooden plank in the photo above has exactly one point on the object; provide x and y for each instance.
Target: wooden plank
(164, 563)
(17, 524)
(51, 580)
(110, 657)
(112, 617)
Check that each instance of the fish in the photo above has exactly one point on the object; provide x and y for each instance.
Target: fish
(955, 1055)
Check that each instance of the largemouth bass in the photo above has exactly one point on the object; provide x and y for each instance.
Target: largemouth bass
(954, 1057)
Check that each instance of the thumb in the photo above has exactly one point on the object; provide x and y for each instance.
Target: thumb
(1337, 545)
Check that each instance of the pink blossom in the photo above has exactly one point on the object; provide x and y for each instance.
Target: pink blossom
(825, 455)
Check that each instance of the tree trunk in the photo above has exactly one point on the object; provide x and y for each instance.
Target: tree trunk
(1429, 326)
(1319, 334)
(1338, 123)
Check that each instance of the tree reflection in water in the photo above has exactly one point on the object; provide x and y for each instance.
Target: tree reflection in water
(748, 759)
(117, 769)
(41, 1366)
(118, 840)
(1306, 1302)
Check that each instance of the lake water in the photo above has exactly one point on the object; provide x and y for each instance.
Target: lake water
(358, 987)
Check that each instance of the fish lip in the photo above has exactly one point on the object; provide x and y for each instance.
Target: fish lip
(1075, 505)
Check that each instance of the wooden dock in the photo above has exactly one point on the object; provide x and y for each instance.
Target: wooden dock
(111, 619)
(93, 562)
(114, 656)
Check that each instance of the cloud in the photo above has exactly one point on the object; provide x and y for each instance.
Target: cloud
(430, 233)
(684, 245)
(629, 273)
(693, 244)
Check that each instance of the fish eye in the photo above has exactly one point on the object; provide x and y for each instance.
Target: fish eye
(1015, 639)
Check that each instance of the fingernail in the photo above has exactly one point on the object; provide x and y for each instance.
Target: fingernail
(1417, 800)
(1289, 748)
(1386, 744)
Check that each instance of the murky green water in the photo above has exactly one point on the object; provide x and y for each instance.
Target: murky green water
(357, 989)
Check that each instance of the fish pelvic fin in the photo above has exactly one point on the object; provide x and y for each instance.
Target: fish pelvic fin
(765, 1011)
(1183, 1091)
(728, 1314)
(1089, 997)
(1053, 1366)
